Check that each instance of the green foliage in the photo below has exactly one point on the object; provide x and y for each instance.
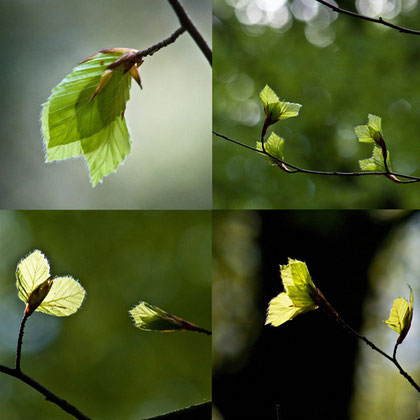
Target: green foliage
(151, 318)
(371, 132)
(276, 110)
(274, 146)
(85, 115)
(401, 316)
(376, 162)
(297, 297)
(59, 296)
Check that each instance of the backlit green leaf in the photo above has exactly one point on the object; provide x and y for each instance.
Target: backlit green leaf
(274, 146)
(376, 162)
(85, 114)
(59, 296)
(297, 298)
(275, 109)
(371, 132)
(401, 316)
(151, 318)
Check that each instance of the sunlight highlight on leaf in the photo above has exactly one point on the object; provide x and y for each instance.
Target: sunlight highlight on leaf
(59, 296)
(401, 316)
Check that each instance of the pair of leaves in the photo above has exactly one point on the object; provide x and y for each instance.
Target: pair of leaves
(59, 296)
(85, 113)
(372, 133)
(275, 110)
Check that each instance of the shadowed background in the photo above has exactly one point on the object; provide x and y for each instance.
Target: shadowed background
(97, 359)
(169, 120)
(310, 367)
(340, 69)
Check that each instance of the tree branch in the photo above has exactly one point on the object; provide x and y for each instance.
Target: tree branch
(392, 359)
(199, 411)
(369, 19)
(186, 23)
(49, 396)
(282, 164)
(151, 50)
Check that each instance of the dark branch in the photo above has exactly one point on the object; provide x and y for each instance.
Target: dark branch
(49, 396)
(392, 359)
(369, 19)
(390, 175)
(20, 340)
(151, 50)
(186, 23)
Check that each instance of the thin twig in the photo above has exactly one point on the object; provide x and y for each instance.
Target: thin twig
(151, 50)
(186, 23)
(49, 396)
(199, 411)
(20, 340)
(379, 20)
(392, 359)
(389, 175)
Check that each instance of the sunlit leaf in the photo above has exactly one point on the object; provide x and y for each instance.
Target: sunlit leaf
(297, 297)
(85, 113)
(151, 318)
(376, 162)
(401, 316)
(59, 296)
(371, 132)
(275, 109)
(274, 146)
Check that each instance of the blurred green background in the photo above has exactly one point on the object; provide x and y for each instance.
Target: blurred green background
(340, 69)
(311, 368)
(42, 41)
(97, 359)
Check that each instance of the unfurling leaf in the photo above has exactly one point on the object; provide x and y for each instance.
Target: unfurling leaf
(298, 296)
(59, 296)
(401, 316)
(371, 132)
(376, 162)
(151, 318)
(274, 146)
(275, 109)
(85, 113)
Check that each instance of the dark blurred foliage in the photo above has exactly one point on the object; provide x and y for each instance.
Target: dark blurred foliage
(42, 40)
(305, 368)
(97, 359)
(340, 69)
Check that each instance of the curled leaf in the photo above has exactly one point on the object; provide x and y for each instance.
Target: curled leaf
(274, 146)
(401, 316)
(376, 162)
(151, 318)
(371, 132)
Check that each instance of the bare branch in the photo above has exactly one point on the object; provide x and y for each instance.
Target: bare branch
(369, 19)
(151, 50)
(186, 23)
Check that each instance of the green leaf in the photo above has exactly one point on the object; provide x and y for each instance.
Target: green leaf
(72, 115)
(59, 296)
(274, 145)
(371, 132)
(85, 114)
(376, 162)
(151, 318)
(297, 298)
(401, 316)
(276, 110)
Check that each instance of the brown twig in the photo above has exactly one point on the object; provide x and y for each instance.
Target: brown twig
(156, 47)
(186, 23)
(369, 19)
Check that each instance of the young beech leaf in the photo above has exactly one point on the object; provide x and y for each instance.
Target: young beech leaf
(151, 318)
(376, 162)
(59, 296)
(371, 132)
(401, 316)
(298, 296)
(276, 110)
(85, 113)
(274, 145)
